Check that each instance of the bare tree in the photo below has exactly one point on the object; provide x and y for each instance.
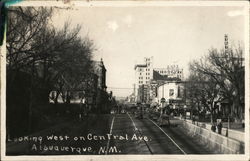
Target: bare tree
(72, 60)
(34, 44)
(226, 69)
(24, 27)
(202, 91)
(43, 57)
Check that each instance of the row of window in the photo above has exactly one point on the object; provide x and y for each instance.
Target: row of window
(172, 92)
(170, 72)
(141, 69)
(146, 73)
(142, 77)
(140, 82)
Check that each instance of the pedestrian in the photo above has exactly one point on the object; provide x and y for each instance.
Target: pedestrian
(193, 119)
(213, 127)
(219, 127)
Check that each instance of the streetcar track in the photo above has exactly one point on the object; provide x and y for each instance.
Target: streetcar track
(166, 146)
(140, 134)
(168, 137)
(110, 132)
(162, 131)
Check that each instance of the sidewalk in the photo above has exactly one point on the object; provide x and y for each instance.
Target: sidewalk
(236, 134)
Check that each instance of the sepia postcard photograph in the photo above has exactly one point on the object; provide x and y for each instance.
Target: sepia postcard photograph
(125, 80)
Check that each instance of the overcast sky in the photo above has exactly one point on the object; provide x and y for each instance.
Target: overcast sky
(124, 35)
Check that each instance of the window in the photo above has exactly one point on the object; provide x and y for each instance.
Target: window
(140, 73)
(171, 92)
(179, 92)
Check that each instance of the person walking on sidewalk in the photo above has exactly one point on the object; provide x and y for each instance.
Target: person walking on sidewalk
(193, 119)
(213, 127)
(219, 127)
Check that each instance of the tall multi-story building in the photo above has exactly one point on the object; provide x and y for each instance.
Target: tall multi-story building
(143, 75)
(147, 78)
(144, 72)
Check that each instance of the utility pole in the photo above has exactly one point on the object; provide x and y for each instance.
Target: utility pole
(226, 51)
(163, 94)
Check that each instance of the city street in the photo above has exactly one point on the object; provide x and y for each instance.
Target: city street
(108, 134)
(137, 79)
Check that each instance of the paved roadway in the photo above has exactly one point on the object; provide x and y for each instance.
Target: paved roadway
(109, 134)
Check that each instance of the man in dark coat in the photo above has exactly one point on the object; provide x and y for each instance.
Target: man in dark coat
(219, 127)
(213, 127)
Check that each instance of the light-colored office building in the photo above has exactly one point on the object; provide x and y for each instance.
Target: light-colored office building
(143, 75)
(147, 78)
